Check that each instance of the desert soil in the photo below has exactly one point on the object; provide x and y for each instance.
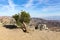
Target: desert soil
(18, 34)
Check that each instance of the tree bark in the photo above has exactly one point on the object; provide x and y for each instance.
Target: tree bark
(24, 27)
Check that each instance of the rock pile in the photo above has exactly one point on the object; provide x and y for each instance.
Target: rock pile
(5, 20)
(41, 27)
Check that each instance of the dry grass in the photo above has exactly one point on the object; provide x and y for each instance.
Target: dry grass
(18, 34)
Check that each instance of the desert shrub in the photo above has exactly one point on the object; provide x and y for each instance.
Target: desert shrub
(24, 17)
(21, 17)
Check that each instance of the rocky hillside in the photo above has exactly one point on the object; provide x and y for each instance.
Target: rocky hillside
(7, 20)
(51, 24)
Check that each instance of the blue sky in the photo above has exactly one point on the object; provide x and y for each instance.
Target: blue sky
(36, 8)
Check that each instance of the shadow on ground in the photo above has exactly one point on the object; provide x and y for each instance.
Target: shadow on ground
(14, 27)
(10, 26)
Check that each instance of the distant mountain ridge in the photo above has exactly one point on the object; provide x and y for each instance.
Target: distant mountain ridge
(53, 18)
(51, 24)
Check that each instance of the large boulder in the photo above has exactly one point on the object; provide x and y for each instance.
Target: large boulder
(6, 20)
(41, 27)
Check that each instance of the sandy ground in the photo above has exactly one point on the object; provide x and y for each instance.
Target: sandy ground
(18, 34)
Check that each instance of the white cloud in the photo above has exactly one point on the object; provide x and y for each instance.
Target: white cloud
(9, 9)
(40, 1)
(29, 4)
(11, 5)
(51, 8)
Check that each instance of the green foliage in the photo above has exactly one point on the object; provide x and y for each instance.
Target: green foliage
(25, 17)
(18, 23)
(16, 17)
(22, 17)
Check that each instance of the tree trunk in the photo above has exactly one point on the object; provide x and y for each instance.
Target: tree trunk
(24, 27)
